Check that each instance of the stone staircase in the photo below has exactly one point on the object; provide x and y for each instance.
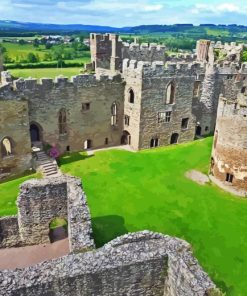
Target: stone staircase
(46, 165)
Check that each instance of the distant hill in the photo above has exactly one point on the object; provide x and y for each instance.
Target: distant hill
(39, 27)
(13, 28)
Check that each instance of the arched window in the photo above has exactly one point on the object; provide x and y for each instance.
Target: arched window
(114, 114)
(170, 93)
(6, 147)
(131, 96)
(62, 121)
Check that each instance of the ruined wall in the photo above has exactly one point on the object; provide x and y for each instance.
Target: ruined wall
(106, 51)
(230, 142)
(14, 125)
(202, 50)
(46, 99)
(9, 232)
(143, 263)
(39, 202)
(153, 80)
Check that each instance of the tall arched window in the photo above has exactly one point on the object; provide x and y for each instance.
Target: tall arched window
(170, 93)
(62, 121)
(6, 147)
(114, 114)
(131, 96)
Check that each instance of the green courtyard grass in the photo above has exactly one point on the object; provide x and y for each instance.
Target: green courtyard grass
(8, 194)
(148, 190)
(45, 72)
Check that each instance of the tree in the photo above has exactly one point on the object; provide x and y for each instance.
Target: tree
(22, 42)
(32, 58)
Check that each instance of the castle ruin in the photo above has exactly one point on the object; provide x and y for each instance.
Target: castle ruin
(140, 97)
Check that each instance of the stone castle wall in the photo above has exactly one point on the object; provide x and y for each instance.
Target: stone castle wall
(150, 82)
(143, 263)
(39, 202)
(47, 98)
(14, 125)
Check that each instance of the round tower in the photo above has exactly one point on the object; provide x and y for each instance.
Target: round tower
(229, 156)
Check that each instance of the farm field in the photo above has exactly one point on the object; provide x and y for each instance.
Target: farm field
(45, 72)
(148, 190)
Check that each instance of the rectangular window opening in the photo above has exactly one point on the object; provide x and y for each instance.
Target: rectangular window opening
(229, 178)
(185, 122)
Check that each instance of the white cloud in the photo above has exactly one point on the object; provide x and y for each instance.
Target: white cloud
(153, 7)
(219, 9)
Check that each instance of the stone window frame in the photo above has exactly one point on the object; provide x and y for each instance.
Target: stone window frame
(126, 120)
(85, 106)
(114, 114)
(62, 121)
(154, 142)
(185, 123)
(171, 97)
(197, 88)
(229, 178)
(131, 96)
(3, 149)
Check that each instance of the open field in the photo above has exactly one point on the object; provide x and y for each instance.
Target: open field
(46, 72)
(148, 190)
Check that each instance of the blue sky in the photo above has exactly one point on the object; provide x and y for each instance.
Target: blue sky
(125, 12)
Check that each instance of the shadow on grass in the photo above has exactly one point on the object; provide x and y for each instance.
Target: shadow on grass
(72, 157)
(107, 228)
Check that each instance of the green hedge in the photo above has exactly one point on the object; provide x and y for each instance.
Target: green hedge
(42, 65)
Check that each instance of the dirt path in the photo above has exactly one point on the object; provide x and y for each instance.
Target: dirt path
(122, 147)
(197, 176)
(27, 256)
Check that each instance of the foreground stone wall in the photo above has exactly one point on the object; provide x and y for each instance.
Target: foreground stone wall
(143, 263)
(39, 202)
(14, 125)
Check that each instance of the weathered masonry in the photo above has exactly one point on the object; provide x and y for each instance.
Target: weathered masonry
(41, 201)
(139, 96)
(142, 263)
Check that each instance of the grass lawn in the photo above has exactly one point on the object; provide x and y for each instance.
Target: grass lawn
(8, 194)
(148, 190)
(45, 72)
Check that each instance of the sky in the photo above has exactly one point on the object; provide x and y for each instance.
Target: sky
(124, 13)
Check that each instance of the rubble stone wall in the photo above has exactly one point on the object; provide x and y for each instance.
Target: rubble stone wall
(143, 263)
(9, 232)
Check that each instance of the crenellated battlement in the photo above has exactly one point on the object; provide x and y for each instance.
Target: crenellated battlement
(144, 47)
(82, 80)
(160, 68)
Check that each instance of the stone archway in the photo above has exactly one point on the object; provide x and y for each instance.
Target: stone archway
(126, 138)
(35, 132)
(174, 138)
(198, 130)
(58, 229)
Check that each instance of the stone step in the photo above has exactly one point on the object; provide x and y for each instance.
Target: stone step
(50, 174)
(49, 169)
(49, 164)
